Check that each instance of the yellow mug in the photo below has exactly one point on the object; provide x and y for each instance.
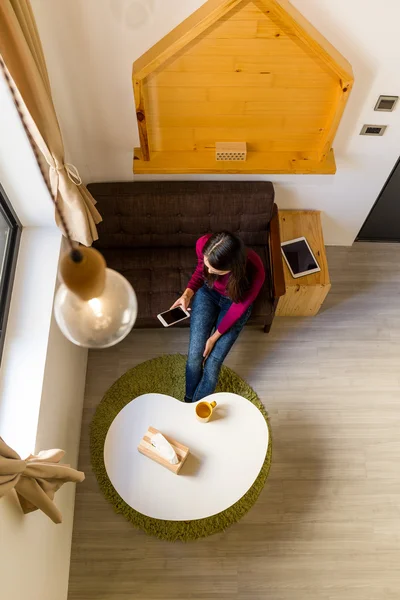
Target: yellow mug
(204, 411)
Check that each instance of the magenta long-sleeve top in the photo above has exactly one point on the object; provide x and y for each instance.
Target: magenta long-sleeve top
(256, 274)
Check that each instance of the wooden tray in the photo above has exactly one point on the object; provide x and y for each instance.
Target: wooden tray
(148, 450)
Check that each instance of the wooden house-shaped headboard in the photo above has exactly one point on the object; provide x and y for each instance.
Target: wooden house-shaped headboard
(253, 71)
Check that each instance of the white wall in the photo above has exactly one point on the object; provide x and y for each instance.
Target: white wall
(90, 47)
(19, 173)
(34, 552)
(42, 378)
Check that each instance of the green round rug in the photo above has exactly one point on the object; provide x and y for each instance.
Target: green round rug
(166, 375)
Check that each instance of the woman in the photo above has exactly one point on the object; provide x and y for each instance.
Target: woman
(227, 280)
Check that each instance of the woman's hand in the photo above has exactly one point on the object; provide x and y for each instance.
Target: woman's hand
(184, 300)
(210, 343)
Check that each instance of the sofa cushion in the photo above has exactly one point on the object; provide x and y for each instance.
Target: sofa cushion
(160, 275)
(175, 213)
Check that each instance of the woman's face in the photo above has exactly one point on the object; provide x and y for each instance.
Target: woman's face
(214, 271)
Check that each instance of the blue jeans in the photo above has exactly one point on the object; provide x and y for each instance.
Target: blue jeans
(209, 308)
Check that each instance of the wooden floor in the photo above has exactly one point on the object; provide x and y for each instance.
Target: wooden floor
(327, 524)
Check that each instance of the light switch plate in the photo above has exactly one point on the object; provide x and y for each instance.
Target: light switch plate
(386, 103)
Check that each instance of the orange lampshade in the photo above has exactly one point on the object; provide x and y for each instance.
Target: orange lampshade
(83, 271)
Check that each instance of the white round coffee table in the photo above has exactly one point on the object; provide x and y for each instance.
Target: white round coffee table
(226, 456)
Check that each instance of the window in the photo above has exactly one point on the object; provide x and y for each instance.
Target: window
(10, 233)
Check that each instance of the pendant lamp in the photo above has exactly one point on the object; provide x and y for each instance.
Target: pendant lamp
(94, 307)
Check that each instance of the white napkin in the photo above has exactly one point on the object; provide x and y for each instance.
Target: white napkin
(164, 448)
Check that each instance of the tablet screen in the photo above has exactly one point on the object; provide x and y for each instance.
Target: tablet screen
(299, 257)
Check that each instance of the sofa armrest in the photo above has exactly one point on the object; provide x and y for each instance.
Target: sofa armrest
(276, 259)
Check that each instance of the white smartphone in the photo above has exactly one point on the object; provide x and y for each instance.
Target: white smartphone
(170, 317)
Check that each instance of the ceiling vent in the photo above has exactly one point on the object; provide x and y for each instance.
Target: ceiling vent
(376, 130)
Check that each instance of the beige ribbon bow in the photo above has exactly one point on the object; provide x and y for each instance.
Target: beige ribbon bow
(35, 479)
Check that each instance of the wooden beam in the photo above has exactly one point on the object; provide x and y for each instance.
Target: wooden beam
(344, 90)
(256, 162)
(141, 118)
(287, 16)
(182, 35)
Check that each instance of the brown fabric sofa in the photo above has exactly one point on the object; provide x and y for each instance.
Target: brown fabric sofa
(149, 232)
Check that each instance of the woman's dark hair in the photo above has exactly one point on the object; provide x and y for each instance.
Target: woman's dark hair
(226, 252)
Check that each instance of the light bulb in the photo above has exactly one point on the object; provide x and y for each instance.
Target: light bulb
(99, 322)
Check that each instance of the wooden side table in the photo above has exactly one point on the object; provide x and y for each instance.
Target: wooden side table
(305, 295)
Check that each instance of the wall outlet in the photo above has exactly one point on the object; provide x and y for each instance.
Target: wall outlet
(376, 130)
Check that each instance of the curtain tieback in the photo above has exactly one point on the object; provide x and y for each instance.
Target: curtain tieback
(72, 172)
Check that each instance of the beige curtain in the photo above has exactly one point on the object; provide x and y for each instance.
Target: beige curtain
(22, 53)
(36, 479)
